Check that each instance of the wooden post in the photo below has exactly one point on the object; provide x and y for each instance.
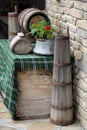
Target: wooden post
(62, 107)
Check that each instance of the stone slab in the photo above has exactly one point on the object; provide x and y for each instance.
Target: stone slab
(71, 127)
(81, 65)
(6, 128)
(42, 126)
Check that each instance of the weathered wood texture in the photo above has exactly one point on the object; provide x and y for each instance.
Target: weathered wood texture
(21, 45)
(34, 100)
(13, 25)
(62, 107)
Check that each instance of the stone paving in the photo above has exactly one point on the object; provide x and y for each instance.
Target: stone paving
(6, 123)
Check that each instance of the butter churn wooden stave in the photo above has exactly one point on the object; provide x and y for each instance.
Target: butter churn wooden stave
(61, 104)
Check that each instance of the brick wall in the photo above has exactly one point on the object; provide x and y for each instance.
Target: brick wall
(72, 13)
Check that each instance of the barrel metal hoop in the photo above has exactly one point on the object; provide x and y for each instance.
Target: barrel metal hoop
(12, 33)
(62, 84)
(61, 108)
(63, 123)
(62, 65)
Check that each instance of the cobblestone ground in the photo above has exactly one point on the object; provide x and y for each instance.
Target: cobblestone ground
(6, 123)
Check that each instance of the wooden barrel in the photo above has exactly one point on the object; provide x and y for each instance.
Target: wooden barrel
(62, 106)
(13, 25)
(30, 16)
(21, 17)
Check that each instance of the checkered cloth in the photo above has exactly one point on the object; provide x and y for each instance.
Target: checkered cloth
(11, 63)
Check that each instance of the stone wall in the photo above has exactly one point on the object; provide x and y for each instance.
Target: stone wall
(73, 13)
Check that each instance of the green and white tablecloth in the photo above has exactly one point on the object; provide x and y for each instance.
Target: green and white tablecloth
(10, 63)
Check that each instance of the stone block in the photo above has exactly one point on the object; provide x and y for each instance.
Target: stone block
(54, 8)
(50, 13)
(69, 19)
(78, 38)
(85, 15)
(84, 6)
(82, 33)
(54, 2)
(76, 13)
(81, 84)
(67, 3)
(80, 5)
(82, 66)
(71, 127)
(60, 10)
(61, 24)
(85, 59)
(75, 44)
(72, 28)
(57, 16)
(72, 36)
(42, 126)
(80, 92)
(5, 115)
(77, 4)
(81, 111)
(63, 31)
(6, 128)
(65, 18)
(72, 20)
(66, 10)
(82, 24)
(82, 120)
(83, 49)
(82, 74)
(84, 42)
(78, 55)
(80, 101)
(53, 21)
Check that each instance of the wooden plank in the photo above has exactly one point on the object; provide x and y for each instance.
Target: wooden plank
(34, 100)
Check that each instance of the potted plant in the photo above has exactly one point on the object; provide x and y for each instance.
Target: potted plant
(44, 38)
